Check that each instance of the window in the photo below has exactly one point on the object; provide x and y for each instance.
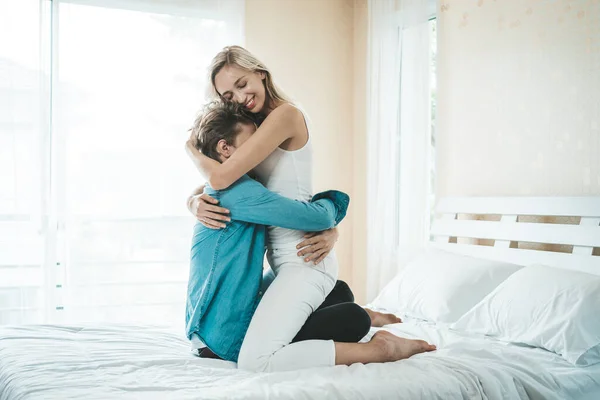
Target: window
(22, 157)
(403, 161)
(121, 101)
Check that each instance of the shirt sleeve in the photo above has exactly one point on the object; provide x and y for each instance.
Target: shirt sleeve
(249, 201)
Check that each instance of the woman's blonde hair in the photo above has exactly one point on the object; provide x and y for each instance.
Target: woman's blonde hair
(242, 58)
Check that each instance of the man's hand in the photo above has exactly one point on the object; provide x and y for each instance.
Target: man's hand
(318, 245)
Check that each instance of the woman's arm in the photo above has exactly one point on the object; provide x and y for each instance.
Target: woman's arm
(283, 123)
(205, 209)
(198, 191)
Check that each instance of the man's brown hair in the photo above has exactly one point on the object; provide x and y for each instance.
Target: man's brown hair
(219, 121)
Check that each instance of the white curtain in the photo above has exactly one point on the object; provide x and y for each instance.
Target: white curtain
(398, 136)
(23, 158)
(112, 178)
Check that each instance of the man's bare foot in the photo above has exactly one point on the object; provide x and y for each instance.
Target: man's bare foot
(380, 319)
(395, 348)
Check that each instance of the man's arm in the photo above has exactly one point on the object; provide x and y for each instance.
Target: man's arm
(249, 201)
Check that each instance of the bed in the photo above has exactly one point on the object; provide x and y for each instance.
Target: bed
(131, 362)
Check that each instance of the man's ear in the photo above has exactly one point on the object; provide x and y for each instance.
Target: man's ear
(224, 149)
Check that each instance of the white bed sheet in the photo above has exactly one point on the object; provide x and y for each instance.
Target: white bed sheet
(131, 362)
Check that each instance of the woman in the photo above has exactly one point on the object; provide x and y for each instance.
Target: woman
(280, 155)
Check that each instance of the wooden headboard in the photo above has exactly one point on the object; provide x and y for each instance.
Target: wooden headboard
(508, 231)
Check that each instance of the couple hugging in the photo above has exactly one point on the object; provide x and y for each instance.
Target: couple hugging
(254, 147)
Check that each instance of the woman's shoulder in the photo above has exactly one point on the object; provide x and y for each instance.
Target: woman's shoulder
(287, 113)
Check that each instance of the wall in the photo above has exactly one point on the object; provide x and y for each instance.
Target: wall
(309, 45)
(359, 172)
(518, 97)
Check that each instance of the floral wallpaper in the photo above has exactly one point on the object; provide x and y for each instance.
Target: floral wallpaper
(518, 97)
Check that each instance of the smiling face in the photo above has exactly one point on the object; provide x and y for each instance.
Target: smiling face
(244, 87)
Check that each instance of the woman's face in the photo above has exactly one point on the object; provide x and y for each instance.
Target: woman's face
(242, 86)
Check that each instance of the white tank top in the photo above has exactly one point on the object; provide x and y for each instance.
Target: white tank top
(288, 173)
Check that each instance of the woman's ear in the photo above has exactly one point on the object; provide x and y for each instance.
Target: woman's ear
(263, 75)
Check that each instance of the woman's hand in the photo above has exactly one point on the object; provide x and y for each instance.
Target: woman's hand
(211, 216)
(192, 140)
(318, 245)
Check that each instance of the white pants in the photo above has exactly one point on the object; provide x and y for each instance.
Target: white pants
(298, 289)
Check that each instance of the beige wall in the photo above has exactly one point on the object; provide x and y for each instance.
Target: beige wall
(360, 196)
(518, 97)
(309, 45)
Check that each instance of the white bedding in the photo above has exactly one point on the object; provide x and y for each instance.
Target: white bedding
(130, 362)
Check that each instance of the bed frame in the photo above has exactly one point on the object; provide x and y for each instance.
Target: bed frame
(508, 231)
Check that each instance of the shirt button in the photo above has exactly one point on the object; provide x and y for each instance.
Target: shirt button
(260, 293)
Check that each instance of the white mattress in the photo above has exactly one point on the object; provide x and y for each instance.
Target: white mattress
(130, 362)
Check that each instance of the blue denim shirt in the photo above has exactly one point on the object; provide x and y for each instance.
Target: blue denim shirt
(226, 264)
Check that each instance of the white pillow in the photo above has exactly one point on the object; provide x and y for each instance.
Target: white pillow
(440, 286)
(551, 308)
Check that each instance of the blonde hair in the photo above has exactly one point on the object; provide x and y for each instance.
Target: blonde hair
(242, 58)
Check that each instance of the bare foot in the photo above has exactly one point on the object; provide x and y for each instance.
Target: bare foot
(380, 319)
(396, 348)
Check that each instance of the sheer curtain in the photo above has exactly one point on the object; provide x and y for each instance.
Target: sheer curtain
(126, 79)
(398, 136)
(24, 155)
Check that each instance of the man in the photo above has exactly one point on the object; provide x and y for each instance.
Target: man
(226, 265)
